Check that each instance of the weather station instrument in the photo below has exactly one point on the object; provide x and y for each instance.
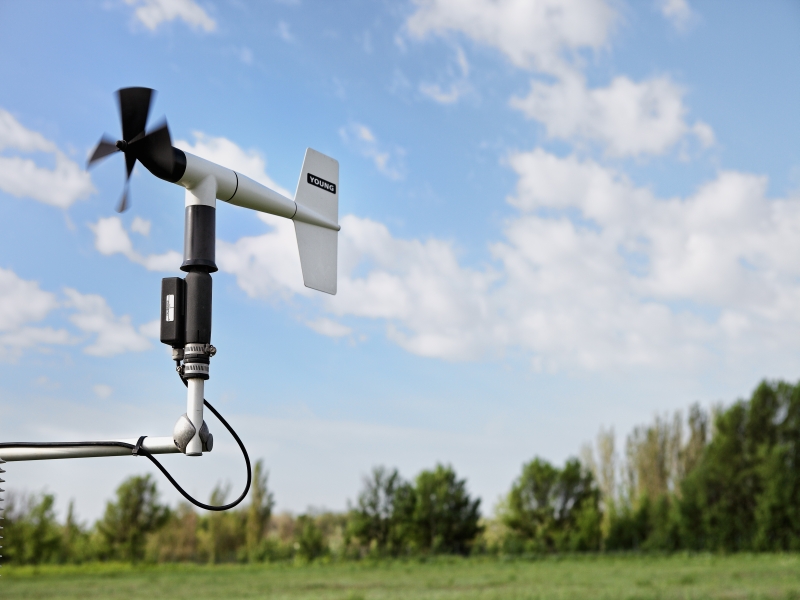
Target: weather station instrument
(186, 302)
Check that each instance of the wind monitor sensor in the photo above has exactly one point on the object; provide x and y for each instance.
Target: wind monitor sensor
(186, 302)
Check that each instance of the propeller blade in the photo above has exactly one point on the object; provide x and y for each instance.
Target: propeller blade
(134, 106)
(155, 151)
(130, 161)
(105, 147)
(122, 206)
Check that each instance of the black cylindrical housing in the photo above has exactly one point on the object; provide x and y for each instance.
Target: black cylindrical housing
(198, 307)
(155, 166)
(199, 239)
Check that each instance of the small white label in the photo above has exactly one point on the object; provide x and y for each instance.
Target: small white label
(170, 307)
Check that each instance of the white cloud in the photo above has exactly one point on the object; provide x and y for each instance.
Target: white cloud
(152, 13)
(266, 264)
(151, 329)
(667, 280)
(592, 273)
(432, 306)
(111, 238)
(141, 226)
(361, 138)
(533, 34)
(59, 186)
(22, 303)
(453, 91)
(12, 343)
(15, 136)
(677, 12)
(628, 118)
(284, 32)
(226, 153)
(114, 335)
(102, 390)
(330, 328)
(438, 94)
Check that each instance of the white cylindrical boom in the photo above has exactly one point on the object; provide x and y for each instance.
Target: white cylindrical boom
(238, 189)
(154, 445)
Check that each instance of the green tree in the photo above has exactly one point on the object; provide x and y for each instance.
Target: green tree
(32, 535)
(383, 511)
(777, 511)
(744, 492)
(554, 509)
(719, 496)
(310, 542)
(663, 524)
(136, 513)
(75, 539)
(177, 540)
(444, 517)
(529, 510)
(223, 535)
(647, 512)
(629, 525)
(692, 451)
(259, 511)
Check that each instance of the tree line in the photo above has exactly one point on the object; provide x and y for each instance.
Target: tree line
(721, 480)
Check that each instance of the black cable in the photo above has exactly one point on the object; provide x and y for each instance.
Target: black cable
(246, 461)
(241, 446)
(143, 451)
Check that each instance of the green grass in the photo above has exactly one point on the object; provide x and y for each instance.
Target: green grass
(595, 577)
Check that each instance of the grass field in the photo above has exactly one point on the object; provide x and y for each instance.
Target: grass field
(617, 577)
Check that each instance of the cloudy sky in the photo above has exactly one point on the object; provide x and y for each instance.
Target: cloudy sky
(556, 215)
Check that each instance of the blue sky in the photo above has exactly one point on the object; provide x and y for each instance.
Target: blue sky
(557, 215)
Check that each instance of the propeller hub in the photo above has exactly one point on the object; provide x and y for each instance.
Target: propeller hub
(122, 145)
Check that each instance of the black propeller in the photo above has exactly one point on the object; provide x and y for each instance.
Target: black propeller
(153, 150)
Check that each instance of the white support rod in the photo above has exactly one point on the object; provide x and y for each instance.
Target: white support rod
(194, 410)
(154, 445)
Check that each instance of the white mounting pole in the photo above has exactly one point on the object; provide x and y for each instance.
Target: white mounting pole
(194, 410)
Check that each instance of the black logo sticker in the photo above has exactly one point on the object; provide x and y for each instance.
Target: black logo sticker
(321, 183)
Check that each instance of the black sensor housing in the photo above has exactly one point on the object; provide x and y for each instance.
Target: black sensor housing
(173, 312)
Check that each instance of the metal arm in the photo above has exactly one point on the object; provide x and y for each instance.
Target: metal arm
(121, 447)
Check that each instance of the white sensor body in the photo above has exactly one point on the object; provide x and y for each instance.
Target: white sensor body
(314, 209)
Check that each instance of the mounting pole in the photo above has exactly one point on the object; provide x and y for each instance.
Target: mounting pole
(198, 262)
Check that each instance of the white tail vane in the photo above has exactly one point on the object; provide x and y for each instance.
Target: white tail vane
(318, 190)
